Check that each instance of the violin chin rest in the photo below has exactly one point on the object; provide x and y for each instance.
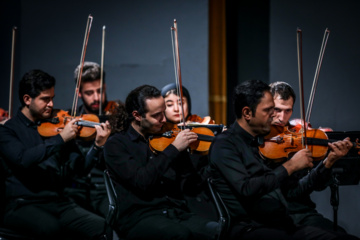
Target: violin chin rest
(206, 120)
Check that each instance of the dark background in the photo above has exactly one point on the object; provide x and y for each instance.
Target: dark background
(261, 43)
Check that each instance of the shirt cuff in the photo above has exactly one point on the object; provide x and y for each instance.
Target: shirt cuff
(171, 151)
(281, 173)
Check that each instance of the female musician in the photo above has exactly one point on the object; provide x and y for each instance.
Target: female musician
(173, 110)
(199, 200)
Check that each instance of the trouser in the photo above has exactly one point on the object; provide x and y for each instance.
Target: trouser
(316, 220)
(60, 219)
(172, 223)
(298, 233)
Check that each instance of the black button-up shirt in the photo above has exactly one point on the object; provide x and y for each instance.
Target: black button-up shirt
(37, 167)
(250, 189)
(144, 180)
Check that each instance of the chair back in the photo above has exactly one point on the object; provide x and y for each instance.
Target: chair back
(110, 218)
(224, 216)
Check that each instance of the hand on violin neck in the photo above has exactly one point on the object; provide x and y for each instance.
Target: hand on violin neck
(337, 150)
(70, 131)
(183, 139)
(302, 159)
(102, 133)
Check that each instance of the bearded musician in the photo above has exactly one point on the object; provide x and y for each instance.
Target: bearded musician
(90, 192)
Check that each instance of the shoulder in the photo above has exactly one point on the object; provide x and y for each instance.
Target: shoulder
(118, 137)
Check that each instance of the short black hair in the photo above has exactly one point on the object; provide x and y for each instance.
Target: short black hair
(33, 83)
(248, 93)
(283, 89)
(136, 99)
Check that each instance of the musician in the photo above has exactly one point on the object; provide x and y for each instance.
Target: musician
(90, 92)
(302, 209)
(147, 183)
(90, 191)
(173, 106)
(199, 200)
(249, 188)
(37, 168)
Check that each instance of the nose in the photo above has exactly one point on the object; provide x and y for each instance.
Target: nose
(51, 103)
(281, 116)
(176, 107)
(96, 96)
(163, 119)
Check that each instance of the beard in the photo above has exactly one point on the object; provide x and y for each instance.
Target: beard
(94, 110)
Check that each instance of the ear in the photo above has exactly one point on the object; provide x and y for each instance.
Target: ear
(27, 99)
(137, 116)
(247, 113)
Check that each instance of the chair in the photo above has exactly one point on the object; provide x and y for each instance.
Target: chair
(110, 218)
(224, 216)
(6, 234)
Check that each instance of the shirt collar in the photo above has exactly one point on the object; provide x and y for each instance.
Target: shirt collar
(251, 140)
(134, 135)
(25, 120)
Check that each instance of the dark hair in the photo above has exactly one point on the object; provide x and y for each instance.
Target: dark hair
(248, 93)
(91, 72)
(118, 118)
(135, 101)
(171, 88)
(283, 89)
(33, 83)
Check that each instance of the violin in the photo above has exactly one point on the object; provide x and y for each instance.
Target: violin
(196, 121)
(296, 124)
(282, 143)
(4, 115)
(53, 126)
(158, 142)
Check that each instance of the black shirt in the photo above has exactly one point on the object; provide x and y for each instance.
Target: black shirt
(37, 167)
(250, 189)
(144, 180)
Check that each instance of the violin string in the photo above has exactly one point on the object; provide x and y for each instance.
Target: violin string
(14, 30)
(82, 59)
(102, 69)
(317, 73)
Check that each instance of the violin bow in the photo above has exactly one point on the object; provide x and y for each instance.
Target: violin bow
(301, 85)
(14, 30)
(317, 72)
(82, 59)
(176, 56)
(102, 69)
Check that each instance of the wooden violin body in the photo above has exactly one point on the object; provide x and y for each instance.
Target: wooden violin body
(195, 121)
(53, 126)
(158, 142)
(283, 142)
(4, 115)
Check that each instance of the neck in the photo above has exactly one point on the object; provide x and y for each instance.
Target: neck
(26, 111)
(138, 128)
(244, 124)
